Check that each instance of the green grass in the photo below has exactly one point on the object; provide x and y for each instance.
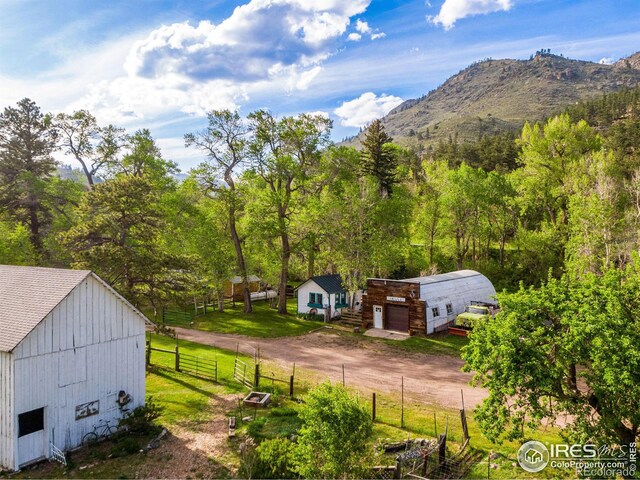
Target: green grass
(263, 322)
(184, 396)
(187, 402)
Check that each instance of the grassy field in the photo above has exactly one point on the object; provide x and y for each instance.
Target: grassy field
(187, 404)
(263, 322)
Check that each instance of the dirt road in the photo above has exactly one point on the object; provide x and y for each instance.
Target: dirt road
(368, 365)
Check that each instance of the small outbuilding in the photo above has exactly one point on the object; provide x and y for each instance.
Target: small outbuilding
(424, 304)
(72, 354)
(234, 287)
(322, 295)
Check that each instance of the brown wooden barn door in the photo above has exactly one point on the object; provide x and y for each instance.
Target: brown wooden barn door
(397, 317)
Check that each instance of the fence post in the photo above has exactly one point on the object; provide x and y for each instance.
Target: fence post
(465, 429)
(442, 448)
(177, 359)
(291, 386)
(402, 408)
(398, 471)
(148, 352)
(373, 407)
(256, 376)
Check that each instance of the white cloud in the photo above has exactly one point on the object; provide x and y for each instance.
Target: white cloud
(262, 45)
(362, 26)
(366, 108)
(453, 10)
(320, 113)
(606, 61)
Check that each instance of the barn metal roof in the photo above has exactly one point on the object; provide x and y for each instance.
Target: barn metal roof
(329, 283)
(29, 294)
(443, 277)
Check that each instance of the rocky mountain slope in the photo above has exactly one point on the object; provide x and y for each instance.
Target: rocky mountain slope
(494, 96)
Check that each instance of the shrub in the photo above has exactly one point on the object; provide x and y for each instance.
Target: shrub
(311, 316)
(254, 429)
(275, 459)
(333, 441)
(141, 421)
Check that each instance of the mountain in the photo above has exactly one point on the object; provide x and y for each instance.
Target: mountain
(493, 96)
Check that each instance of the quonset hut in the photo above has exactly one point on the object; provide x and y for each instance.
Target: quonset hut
(424, 304)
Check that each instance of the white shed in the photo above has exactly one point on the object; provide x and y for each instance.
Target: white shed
(69, 344)
(323, 294)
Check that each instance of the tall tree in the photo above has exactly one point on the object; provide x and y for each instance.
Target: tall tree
(286, 152)
(119, 236)
(549, 154)
(225, 142)
(92, 146)
(378, 160)
(27, 141)
(568, 350)
(464, 201)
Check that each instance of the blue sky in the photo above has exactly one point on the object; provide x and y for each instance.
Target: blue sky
(162, 65)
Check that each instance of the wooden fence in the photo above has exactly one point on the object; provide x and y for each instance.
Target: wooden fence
(185, 363)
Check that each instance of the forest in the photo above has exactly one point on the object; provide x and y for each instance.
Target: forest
(274, 197)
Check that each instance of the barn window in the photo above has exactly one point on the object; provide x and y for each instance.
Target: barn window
(315, 300)
(30, 422)
(435, 311)
(449, 309)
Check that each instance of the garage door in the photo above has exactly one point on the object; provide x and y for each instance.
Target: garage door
(397, 318)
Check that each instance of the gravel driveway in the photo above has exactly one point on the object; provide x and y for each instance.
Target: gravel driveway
(369, 365)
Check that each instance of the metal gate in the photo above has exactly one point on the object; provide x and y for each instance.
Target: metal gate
(199, 367)
(243, 373)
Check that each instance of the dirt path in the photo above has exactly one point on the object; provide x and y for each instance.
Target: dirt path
(369, 365)
(194, 450)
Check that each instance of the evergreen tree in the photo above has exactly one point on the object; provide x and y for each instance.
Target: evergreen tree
(377, 159)
(26, 165)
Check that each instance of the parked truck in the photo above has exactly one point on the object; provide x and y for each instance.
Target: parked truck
(474, 313)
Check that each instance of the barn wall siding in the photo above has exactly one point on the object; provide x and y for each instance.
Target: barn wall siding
(7, 437)
(377, 292)
(87, 349)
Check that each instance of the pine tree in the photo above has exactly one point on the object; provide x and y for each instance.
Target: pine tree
(26, 166)
(377, 160)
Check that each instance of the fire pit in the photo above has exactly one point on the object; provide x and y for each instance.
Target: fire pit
(257, 399)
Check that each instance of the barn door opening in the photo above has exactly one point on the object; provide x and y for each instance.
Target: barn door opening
(31, 436)
(397, 317)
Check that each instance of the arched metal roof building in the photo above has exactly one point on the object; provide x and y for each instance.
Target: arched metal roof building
(423, 304)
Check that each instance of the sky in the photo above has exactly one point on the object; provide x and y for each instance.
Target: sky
(162, 65)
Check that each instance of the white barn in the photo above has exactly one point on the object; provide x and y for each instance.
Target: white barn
(69, 344)
(423, 304)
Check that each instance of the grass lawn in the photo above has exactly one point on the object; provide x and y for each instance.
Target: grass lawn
(187, 404)
(263, 322)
